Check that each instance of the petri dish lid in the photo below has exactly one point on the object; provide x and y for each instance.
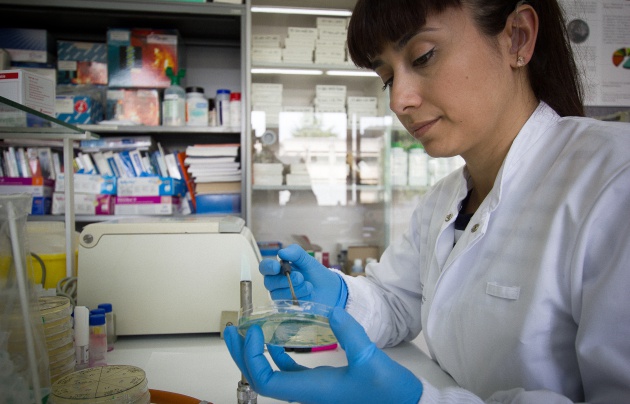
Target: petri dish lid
(113, 384)
(58, 340)
(52, 308)
(291, 326)
(61, 353)
(55, 327)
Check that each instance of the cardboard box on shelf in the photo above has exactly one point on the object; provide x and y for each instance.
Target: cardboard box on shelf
(363, 253)
(139, 106)
(28, 45)
(31, 90)
(81, 62)
(139, 57)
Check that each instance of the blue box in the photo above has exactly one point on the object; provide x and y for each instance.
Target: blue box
(28, 45)
(81, 62)
(79, 109)
(218, 203)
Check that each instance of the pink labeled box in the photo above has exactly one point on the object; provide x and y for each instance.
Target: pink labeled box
(146, 205)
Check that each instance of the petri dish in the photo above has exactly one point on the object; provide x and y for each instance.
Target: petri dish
(288, 325)
(112, 384)
(53, 308)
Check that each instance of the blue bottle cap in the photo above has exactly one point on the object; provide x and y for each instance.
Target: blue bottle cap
(223, 91)
(97, 319)
(98, 311)
(105, 306)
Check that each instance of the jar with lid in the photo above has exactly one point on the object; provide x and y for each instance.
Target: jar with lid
(196, 107)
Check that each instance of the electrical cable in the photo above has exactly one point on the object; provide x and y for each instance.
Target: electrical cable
(68, 287)
(41, 263)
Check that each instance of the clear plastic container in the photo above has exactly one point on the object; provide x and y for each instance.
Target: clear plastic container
(285, 324)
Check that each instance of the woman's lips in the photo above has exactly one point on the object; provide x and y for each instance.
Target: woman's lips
(419, 129)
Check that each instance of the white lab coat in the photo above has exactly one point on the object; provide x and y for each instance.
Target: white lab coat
(532, 305)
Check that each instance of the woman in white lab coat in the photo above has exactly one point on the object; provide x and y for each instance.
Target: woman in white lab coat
(517, 266)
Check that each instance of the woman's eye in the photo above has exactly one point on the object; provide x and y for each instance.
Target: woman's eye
(424, 59)
(387, 84)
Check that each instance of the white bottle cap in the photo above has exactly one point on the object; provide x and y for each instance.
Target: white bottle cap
(81, 326)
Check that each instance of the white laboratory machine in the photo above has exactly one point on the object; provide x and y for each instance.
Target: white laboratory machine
(169, 275)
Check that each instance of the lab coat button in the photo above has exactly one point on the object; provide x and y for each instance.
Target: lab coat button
(475, 228)
(448, 217)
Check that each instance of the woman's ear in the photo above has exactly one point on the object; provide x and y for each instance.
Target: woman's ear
(522, 29)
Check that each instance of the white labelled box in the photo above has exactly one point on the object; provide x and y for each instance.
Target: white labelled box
(332, 33)
(30, 89)
(362, 101)
(292, 43)
(146, 205)
(264, 88)
(266, 41)
(323, 90)
(151, 186)
(268, 55)
(331, 22)
(300, 32)
(84, 204)
(88, 184)
(267, 98)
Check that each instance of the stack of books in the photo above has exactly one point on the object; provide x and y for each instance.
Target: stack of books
(215, 170)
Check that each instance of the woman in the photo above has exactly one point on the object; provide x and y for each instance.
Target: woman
(516, 266)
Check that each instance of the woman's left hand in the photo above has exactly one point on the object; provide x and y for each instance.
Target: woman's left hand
(370, 376)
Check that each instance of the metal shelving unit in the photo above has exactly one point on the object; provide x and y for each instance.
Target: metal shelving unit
(204, 27)
(58, 130)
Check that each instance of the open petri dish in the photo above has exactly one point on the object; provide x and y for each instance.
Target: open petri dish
(288, 325)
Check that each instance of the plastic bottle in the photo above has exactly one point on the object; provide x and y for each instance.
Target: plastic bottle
(174, 103)
(82, 337)
(235, 110)
(98, 340)
(212, 112)
(222, 101)
(196, 107)
(109, 321)
(357, 267)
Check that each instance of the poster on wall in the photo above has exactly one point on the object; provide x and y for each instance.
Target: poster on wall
(599, 31)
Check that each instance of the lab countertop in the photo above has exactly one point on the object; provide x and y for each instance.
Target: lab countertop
(200, 365)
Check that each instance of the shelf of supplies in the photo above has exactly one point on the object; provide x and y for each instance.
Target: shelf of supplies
(57, 130)
(140, 129)
(197, 22)
(350, 188)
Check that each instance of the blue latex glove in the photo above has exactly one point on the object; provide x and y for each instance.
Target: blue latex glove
(311, 280)
(370, 377)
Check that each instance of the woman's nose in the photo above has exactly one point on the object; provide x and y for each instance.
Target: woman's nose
(404, 96)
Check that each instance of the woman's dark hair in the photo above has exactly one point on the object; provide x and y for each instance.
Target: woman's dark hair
(552, 70)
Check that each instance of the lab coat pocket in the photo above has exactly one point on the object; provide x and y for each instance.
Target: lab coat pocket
(504, 292)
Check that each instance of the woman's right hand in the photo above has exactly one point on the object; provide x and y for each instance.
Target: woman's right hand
(311, 280)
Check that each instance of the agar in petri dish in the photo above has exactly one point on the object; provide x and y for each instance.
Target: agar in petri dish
(285, 324)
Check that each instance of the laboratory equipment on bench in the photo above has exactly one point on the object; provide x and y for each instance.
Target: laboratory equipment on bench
(169, 275)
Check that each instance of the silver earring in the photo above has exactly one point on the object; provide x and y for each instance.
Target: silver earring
(520, 61)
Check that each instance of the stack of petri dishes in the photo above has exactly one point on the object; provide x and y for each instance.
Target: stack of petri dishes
(56, 314)
(111, 384)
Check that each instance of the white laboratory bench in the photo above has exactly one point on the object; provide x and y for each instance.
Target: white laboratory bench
(200, 366)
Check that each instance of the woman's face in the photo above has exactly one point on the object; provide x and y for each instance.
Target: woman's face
(450, 86)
